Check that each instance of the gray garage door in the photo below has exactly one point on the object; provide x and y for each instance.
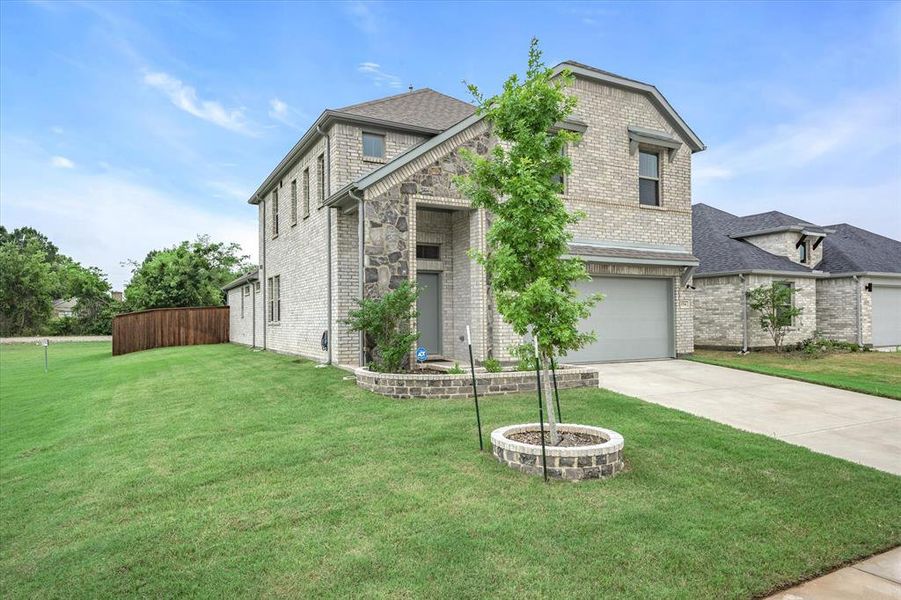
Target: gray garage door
(886, 316)
(634, 321)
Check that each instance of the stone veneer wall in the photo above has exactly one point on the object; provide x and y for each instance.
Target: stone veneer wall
(784, 243)
(415, 385)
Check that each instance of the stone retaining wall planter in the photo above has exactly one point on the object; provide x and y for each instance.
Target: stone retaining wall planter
(572, 463)
(443, 385)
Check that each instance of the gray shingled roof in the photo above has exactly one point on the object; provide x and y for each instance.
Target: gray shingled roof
(772, 220)
(854, 250)
(632, 253)
(420, 108)
(720, 253)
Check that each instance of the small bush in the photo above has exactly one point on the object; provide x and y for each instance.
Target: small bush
(455, 370)
(386, 323)
(492, 365)
(820, 346)
(525, 356)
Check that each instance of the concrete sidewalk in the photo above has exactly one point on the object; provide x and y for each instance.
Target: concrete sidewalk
(857, 427)
(877, 578)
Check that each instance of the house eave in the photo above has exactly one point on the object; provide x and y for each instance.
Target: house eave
(326, 119)
(656, 97)
(809, 274)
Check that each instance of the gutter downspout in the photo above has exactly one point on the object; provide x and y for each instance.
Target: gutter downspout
(361, 233)
(744, 313)
(328, 243)
(263, 264)
(858, 310)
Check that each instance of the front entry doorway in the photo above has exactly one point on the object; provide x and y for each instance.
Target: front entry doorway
(429, 307)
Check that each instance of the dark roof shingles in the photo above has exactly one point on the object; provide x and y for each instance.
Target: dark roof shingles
(720, 253)
(854, 250)
(420, 108)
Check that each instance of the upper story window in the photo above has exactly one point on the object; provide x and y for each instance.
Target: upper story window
(320, 178)
(648, 178)
(306, 192)
(373, 145)
(294, 202)
(802, 253)
(275, 212)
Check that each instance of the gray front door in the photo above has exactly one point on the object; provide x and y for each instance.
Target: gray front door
(429, 307)
(633, 322)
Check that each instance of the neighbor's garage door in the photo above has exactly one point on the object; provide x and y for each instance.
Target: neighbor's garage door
(634, 321)
(886, 316)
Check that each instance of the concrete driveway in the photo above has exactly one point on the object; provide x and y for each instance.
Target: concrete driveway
(857, 427)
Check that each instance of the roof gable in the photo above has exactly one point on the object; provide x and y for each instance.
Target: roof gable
(424, 108)
(721, 253)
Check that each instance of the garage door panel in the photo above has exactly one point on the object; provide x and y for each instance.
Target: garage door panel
(634, 321)
(886, 314)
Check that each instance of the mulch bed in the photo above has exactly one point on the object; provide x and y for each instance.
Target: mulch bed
(567, 438)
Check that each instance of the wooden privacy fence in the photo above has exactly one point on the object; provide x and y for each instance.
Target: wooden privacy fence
(160, 327)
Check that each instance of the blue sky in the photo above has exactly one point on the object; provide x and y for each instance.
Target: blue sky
(127, 127)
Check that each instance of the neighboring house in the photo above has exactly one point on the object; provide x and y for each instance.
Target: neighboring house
(846, 279)
(64, 308)
(245, 309)
(392, 160)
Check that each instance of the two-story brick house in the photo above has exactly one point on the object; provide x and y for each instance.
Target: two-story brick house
(391, 161)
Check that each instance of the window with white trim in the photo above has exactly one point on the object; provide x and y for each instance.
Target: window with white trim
(275, 299)
(789, 302)
(648, 178)
(803, 252)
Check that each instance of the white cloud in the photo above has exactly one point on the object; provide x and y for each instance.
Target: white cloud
(832, 164)
(281, 112)
(185, 97)
(104, 217)
(61, 162)
(364, 16)
(57, 130)
(380, 78)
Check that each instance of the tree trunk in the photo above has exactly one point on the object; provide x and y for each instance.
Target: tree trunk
(548, 391)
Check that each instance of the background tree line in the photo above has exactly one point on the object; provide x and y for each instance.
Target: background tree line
(34, 273)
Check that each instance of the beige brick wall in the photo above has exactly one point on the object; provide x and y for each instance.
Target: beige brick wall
(784, 244)
(241, 314)
(837, 308)
(718, 311)
(604, 180)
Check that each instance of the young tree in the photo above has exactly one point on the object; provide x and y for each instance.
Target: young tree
(520, 183)
(776, 309)
(189, 274)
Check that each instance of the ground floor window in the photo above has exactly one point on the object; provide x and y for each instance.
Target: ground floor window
(275, 298)
(787, 303)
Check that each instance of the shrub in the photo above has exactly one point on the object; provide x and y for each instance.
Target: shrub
(455, 370)
(492, 365)
(820, 346)
(525, 356)
(386, 323)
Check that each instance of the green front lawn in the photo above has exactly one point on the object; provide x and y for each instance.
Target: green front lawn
(216, 471)
(877, 373)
